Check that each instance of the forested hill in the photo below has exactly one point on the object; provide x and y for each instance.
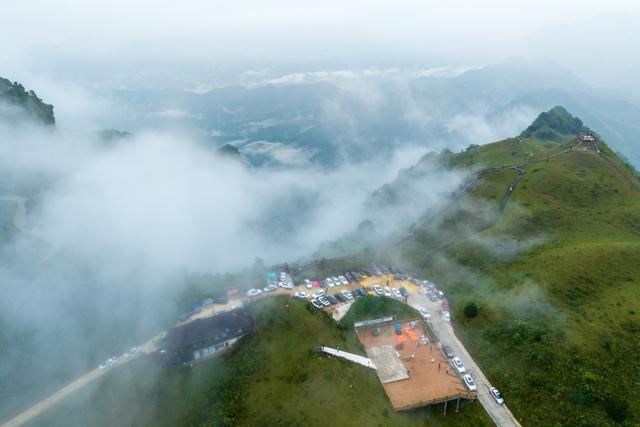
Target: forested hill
(17, 104)
(556, 123)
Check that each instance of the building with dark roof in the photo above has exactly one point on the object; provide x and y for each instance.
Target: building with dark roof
(205, 337)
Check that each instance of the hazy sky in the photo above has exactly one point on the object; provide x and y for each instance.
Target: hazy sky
(124, 33)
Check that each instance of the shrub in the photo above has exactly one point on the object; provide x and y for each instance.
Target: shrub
(471, 310)
(617, 410)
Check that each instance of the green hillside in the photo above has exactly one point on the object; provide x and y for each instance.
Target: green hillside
(557, 278)
(17, 104)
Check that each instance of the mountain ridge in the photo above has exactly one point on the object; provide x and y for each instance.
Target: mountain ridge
(18, 104)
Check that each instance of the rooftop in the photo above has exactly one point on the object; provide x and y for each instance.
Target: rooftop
(208, 328)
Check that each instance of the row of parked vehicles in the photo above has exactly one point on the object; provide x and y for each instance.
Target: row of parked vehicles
(321, 299)
(466, 376)
(112, 361)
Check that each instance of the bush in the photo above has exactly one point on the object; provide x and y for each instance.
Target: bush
(471, 310)
(617, 410)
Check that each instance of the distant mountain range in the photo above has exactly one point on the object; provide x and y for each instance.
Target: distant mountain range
(342, 120)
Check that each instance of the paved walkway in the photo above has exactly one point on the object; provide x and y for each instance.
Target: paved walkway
(360, 360)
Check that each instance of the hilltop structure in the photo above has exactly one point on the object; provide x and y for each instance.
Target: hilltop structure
(204, 338)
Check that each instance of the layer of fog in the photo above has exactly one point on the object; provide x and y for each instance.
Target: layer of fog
(113, 225)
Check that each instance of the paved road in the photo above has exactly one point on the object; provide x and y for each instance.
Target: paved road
(65, 391)
(500, 414)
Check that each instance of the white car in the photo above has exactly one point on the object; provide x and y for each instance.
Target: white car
(396, 293)
(133, 351)
(457, 363)
(378, 290)
(316, 303)
(286, 285)
(253, 292)
(346, 294)
(270, 287)
(307, 283)
(424, 313)
(496, 395)
(324, 301)
(343, 280)
(446, 316)
(301, 295)
(471, 385)
(330, 282)
(440, 294)
(387, 291)
(336, 281)
(110, 362)
(319, 293)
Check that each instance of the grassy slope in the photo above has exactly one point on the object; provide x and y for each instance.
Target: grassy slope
(273, 378)
(557, 281)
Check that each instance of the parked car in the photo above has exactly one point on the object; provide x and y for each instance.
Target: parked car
(307, 283)
(447, 351)
(361, 291)
(340, 297)
(110, 362)
(319, 293)
(471, 384)
(324, 301)
(496, 395)
(378, 290)
(301, 295)
(253, 292)
(160, 339)
(347, 294)
(446, 316)
(396, 293)
(331, 299)
(387, 291)
(457, 363)
(270, 287)
(424, 313)
(343, 280)
(316, 303)
(329, 282)
(336, 281)
(286, 285)
(404, 292)
(432, 296)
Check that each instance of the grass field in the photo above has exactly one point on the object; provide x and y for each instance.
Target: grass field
(557, 281)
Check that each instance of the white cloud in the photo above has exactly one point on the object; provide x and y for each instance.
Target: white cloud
(281, 153)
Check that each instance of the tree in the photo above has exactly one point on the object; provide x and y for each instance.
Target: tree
(617, 409)
(471, 310)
